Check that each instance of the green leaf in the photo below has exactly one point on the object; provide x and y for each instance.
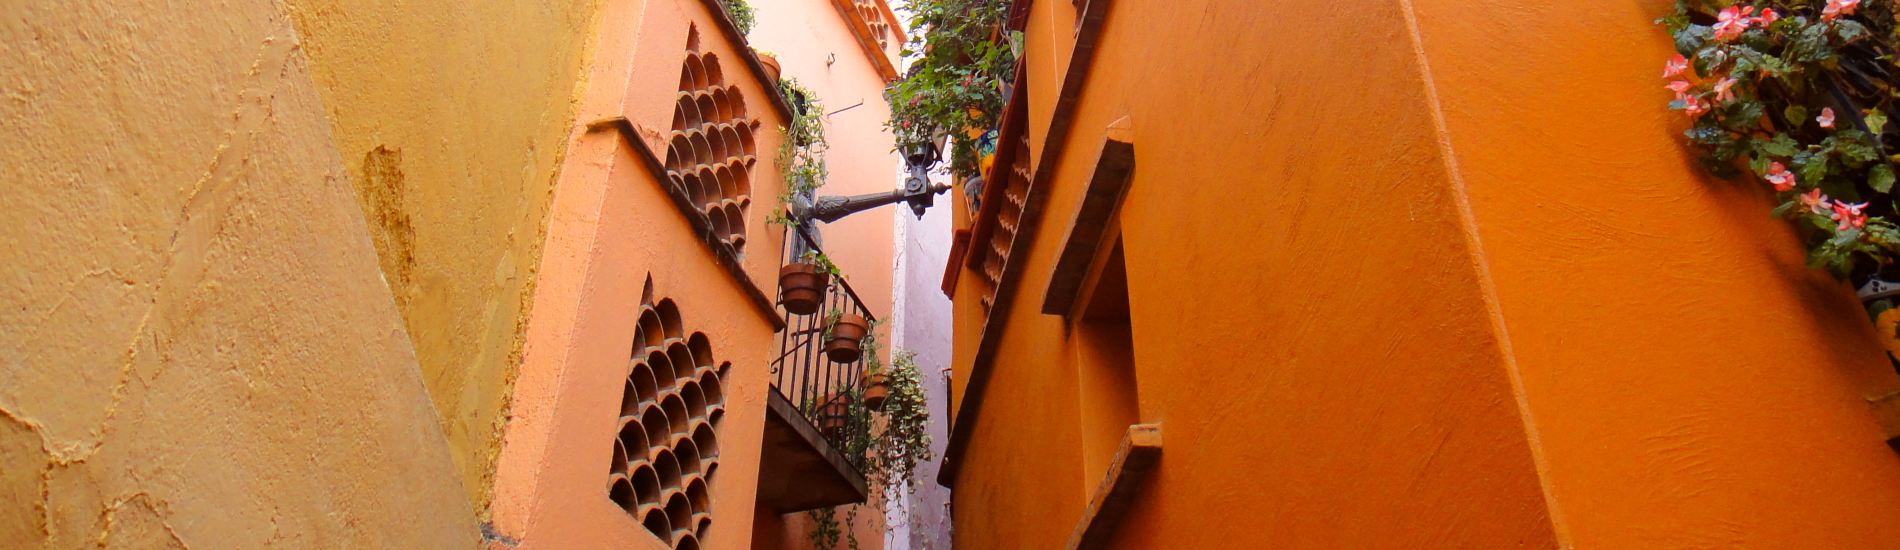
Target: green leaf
(1855, 147)
(1876, 121)
(1849, 30)
(1880, 178)
(1796, 115)
(1780, 146)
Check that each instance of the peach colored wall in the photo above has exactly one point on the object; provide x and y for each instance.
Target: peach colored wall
(815, 45)
(611, 227)
(1405, 277)
(196, 347)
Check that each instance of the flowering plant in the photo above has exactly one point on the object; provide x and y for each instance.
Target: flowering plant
(1799, 93)
(961, 62)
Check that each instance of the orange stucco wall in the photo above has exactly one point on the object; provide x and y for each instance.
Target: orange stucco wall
(196, 347)
(1405, 277)
(611, 228)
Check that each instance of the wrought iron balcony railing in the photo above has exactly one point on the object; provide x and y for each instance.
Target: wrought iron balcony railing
(826, 393)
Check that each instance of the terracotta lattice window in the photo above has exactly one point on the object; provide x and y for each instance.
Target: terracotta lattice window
(873, 17)
(711, 151)
(667, 448)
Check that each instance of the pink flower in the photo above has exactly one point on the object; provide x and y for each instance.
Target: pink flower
(1837, 8)
(1849, 215)
(1694, 106)
(1680, 87)
(1675, 66)
(1722, 93)
(1827, 117)
(1780, 177)
(1734, 20)
(1768, 17)
(1816, 202)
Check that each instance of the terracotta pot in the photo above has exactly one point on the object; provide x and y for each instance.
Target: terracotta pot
(801, 287)
(833, 417)
(847, 339)
(771, 65)
(877, 387)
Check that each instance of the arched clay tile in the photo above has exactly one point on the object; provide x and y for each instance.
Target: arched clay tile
(708, 109)
(682, 357)
(679, 119)
(741, 180)
(695, 398)
(747, 141)
(695, 187)
(670, 319)
(702, 149)
(735, 145)
(620, 490)
(717, 143)
(663, 370)
(650, 331)
(679, 152)
(727, 189)
(698, 495)
(643, 387)
(633, 438)
(619, 465)
(723, 102)
(696, 70)
(688, 104)
(686, 77)
(720, 226)
(680, 510)
(736, 217)
(668, 469)
(657, 523)
(646, 484)
(657, 429)
(676, 414)
(686, 541)
(714, 413)
(736, 101)
(709, 383)
(688, 456)
(707, 441)
(714, 75)
(702, 349)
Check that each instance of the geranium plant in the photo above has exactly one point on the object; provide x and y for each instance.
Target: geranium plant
(962, 61)
(1799, 94)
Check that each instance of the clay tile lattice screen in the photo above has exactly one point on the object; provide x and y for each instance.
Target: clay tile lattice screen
(711, 152)
(874, 18)
(667, 448)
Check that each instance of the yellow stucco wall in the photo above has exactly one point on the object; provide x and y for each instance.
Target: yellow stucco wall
(452, 118)
(195, 347)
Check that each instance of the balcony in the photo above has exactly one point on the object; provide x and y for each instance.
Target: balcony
(813, 410)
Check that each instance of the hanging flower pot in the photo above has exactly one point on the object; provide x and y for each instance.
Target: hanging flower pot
(801, 287)
(770, 62)
(877, 387)
(833, 417)
(847, 338)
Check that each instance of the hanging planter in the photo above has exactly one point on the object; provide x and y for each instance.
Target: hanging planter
(877, 388)
(846, 343)
(770, 62)
(834, 417)
(801, 287)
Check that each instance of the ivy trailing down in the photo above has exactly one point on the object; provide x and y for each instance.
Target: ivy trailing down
(1799, 93)
(801, 156)
(963, 59)
(893, 442)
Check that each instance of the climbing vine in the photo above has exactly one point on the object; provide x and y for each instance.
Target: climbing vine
(801, 156)
(1799, 93)
(891, 449)
(963, 60)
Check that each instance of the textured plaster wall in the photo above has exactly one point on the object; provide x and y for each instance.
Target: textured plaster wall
(195, 347)
(1405, 277)
(452, 119)
(923, 326)
(1307, 324)
(1691, 381)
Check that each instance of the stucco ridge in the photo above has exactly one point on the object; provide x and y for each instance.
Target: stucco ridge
(1481, 264)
